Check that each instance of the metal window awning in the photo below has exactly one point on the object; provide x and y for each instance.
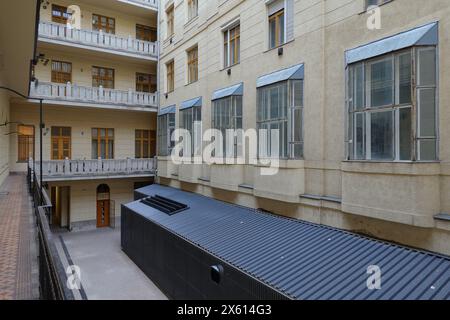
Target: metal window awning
(167, 110)
(292, 73)
(299, 259)
(196, 102)
(426, 35)
(234, 90)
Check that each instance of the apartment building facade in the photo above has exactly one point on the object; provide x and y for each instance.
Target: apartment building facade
(96, 72)
(357, 94)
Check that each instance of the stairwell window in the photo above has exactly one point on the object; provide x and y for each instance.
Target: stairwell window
(166, 127)
(232, 46)
(192, 56)
(386, 122)
(192, 9)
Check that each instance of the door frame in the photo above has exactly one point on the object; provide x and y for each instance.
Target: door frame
(103, 200)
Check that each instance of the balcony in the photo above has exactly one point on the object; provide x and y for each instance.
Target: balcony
(63, 170)
(72, 94)
(54, 33)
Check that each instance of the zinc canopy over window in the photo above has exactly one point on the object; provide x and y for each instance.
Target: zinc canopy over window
(196, 102)
(234, 90)
(426, 35)
(167, 110)
(293, 73)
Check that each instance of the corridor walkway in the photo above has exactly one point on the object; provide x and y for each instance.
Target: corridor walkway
(18, 246)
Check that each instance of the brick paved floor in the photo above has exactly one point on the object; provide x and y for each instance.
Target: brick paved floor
(18, 253)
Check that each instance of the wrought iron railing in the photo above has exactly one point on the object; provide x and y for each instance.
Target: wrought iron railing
(52, 275)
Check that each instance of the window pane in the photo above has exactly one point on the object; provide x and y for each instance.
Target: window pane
(404, 66)
(427, 67)
(382, 135)
(381, 83)
(405, 133)
(428, 150)
(360, 136)
(281, 28)
(427, 108)
(272, 33)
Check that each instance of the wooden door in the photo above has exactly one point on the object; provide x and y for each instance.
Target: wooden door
(103, 206)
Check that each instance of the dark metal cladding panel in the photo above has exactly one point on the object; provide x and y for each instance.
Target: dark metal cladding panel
(269, 256)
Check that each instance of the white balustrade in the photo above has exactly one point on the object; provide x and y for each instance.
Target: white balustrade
(148, 3)
(82, 94)
(96, 39)
(81, 168)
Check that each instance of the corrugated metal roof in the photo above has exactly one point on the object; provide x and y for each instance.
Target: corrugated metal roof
(426, 35)
(295, 73)
(196, 102)
(302, 260)
(167, 110)
(234, 90)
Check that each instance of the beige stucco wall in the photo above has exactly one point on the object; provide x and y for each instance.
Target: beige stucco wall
(392, 203)
(81, 120)
(125, 23)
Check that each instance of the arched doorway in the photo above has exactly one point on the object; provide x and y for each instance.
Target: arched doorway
(103, 206)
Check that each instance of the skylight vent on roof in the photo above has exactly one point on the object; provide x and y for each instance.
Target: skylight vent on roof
(168, 206)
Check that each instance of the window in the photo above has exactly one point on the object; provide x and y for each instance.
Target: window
(102, 143)
(192, 9)
(25, 142)
(61, 71)
(170, 21)
(192, 65)
(232, 46)
(145, 82)
(105, 24)
(102, 77)
(166, 127)
(146, 33)
(145, 144)
(280, 107)
(276, 29)
(191, 120)
(60, 14)
(61, 143)
(375, 2)
(381, 113)
(227, 115)
(170, 76)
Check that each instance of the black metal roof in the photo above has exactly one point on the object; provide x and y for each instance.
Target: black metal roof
(301, 259)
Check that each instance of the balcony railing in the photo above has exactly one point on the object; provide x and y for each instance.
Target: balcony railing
(147, 3)
(81, 94)
(100, 40)
(55, 170)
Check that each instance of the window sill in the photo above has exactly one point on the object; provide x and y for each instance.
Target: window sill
(280, 46)
(412, 168)
(282, 163)
(230, 67)
(188, 84)
(380, 5)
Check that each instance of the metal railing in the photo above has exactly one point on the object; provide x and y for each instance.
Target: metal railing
(97, 39)
(81, 94)
(57, 169)
(52, 276)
